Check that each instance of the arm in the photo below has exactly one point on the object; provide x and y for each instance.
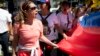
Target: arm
(58, 27)
(60, 31)
(44, 39)
(15, 41)
(10, 31)
(14, 44)
(10, 28)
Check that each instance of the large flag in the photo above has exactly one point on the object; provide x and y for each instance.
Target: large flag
(85, 41)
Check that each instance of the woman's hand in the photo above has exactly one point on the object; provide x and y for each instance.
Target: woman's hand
(55, 45)
(65, 36)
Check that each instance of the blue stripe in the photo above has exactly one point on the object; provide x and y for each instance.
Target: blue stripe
(91, 20)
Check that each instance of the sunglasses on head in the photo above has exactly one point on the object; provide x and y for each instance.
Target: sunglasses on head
(33, 8)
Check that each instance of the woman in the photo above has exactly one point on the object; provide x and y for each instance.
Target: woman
(28, 32)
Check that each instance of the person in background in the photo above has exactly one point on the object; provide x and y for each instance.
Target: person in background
(65, 17)
(51, 25)
(28, 30)
(5, 30)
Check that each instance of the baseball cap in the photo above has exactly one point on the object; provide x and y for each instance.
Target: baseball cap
(43, 1)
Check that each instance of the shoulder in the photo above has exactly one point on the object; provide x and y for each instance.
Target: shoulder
(39, 24)
(4, 11)
(53, 14)
(59, 13)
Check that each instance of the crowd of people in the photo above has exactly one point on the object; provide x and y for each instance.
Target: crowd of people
(69, 31)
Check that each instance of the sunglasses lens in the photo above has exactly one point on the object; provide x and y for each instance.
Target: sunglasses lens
(33, 8)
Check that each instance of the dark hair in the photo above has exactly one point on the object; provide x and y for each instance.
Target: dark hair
(66, 3)
(47, 4)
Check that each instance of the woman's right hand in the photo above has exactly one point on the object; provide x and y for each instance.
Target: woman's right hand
(55, 45)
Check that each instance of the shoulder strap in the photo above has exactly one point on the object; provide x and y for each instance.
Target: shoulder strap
(44, 21)
(46, 16)
(68, 20)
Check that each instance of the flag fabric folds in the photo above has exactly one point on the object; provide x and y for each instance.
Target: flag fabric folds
(81, 43)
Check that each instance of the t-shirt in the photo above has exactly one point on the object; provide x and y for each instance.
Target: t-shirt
(52, 20)
(29, 34)
(5, 17)
(63, 20)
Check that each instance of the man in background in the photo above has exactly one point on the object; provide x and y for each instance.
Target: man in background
(5, 30)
